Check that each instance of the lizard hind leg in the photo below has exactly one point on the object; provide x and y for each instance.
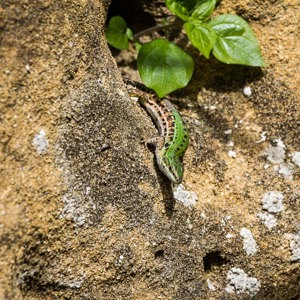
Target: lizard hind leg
(158, 140)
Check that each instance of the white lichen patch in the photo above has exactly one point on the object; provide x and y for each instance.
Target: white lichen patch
(230, 144)
(273, 201)
(40, 142)
(210, 285)
(249, 243)
(296, 158)
(275, 154)
(71, 280)
(268, 219)
(72, 284)
(247, 91)
(88, 190)
(27, 68)
(240, 282)
(294, 246)
(225, 220)
(228, 131)
(187, 198)
(76, 210)
(263, 137)
(287, 170)
(232, 154)
(229, 236)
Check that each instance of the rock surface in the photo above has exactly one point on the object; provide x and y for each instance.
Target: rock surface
(85, 212)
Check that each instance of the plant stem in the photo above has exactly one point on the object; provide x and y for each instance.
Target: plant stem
(154, 28)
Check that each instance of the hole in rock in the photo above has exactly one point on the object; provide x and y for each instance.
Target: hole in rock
(213, 259)
(159, 253)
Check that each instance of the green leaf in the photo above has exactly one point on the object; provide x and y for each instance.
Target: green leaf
(195, 9)
(117, 33)
(181, 8)
(201, 36)
(203, 10)
(225, 30)
(129, 33)
(138, 46)
(235, 42)
(164, 67)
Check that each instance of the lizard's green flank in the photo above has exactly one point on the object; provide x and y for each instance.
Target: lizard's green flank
(174, 137)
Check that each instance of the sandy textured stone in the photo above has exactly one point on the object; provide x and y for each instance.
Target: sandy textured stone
(84, 211)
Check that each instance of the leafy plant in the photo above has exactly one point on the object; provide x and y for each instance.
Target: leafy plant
(164, 67)
(117, 33)
(160, 62)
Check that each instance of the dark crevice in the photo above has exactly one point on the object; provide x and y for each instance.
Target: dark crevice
(133, 12)
(213, 259)
(159, 253)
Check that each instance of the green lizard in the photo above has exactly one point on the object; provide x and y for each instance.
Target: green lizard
(174, 137)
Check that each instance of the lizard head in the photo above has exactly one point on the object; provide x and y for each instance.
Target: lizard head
(172, 167)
